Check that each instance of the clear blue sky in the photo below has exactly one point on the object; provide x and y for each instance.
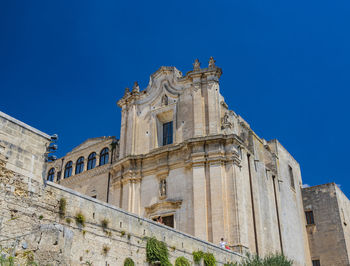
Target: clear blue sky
(286, 67)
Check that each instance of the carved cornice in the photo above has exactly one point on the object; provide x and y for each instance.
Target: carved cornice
(157, 208)
(157, 161)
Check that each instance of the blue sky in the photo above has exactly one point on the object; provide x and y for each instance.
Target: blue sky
(286, 65)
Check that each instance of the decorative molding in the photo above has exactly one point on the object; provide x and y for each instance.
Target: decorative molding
(164, 206)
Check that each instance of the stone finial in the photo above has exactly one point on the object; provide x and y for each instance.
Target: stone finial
(211, 62)
(136, 87)
(196, 65)
(126, 92)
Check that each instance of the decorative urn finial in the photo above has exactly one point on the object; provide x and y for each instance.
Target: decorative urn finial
(211, 62)
(126, 92)
(136, 87)
(196, 65)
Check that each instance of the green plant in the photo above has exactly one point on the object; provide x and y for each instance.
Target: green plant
(62, 207)
(129, 262)
(230, 264)
(173, 248)
(209, 259)
(41, 217)
(80, 219)
(129, 236)
(197, 256)
(269, 260)
(157, 251)
(104, 223)
(182, 261)
(105, 249)
(68, 220)
(84, 232)
(9, 261)
(122, 233)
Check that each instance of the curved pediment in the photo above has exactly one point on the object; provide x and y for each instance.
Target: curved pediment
(89, 142)
(163, 81)
(164, 206)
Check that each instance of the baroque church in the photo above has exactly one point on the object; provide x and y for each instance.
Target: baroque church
(185, 157)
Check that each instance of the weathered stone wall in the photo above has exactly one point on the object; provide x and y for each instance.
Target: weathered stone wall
(344, 211)
(292, 219)
(328, 235)
(30, 225)
(24, 146)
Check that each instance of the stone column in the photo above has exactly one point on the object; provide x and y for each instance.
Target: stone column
(213, 106)
(218, 201)
(199, 201)
(127, 196)
(123, 132)
(130, 130)
(198, 108)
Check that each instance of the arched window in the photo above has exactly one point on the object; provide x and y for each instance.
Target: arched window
(104, 156)
(79, 166)
(91, 161)
(68, 169)
(51, 174)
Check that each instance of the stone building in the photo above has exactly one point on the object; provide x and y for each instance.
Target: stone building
(38, 224)
(327, 212)
(23, 147)
(86, 168)
(184, 156)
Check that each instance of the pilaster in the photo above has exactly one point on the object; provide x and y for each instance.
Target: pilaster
(199, 200)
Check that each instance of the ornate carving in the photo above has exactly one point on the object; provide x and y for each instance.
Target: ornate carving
(196, 65)
(126, 92)
(163, 206)
(225, 122)
(136, 87)
(211, 62)
(165, 100)
(162, 188)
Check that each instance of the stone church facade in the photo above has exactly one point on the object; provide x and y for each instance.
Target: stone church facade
(184, 156)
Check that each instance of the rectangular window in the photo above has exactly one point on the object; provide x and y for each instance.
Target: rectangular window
(316, 263)
(291, 177)
(309, 217)
(168, 133)
(166, 220)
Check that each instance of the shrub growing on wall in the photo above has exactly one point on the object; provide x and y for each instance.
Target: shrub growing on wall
(157, 252)
(182, 261)
(129, 262)
(209, 259)
(80, 219)
(197, 256)
(62, 207)
(270, 260)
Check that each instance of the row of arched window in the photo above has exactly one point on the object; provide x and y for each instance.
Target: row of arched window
(79, 166)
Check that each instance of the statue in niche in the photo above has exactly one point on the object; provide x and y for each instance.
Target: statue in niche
(165, 100)
(136, 87)
(225, 121)
(162, 188)
(196, 65)
(211, 62)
